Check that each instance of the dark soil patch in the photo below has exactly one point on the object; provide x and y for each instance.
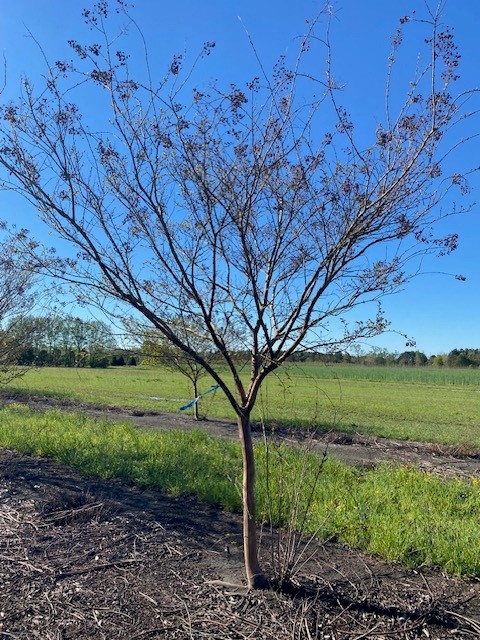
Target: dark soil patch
(82, 558)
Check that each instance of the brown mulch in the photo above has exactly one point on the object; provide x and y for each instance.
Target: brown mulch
(84, 558)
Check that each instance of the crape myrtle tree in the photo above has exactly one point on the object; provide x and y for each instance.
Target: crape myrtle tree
(157, 349)
(252, 209)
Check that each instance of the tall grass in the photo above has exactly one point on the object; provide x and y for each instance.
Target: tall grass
(404, 515)
(173, 461)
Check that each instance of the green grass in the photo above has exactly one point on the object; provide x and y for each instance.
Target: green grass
(132, 387)
(415, 375)
(404, 515)
(432, 405)
(173, 461)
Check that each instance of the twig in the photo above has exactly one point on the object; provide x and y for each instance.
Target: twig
(470, 621)
(28, 565)
(368, 633)
(71, 513)
(96, 567)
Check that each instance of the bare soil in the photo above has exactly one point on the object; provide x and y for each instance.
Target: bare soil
(83, 558)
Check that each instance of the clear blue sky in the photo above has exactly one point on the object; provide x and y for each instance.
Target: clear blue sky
(438, 311)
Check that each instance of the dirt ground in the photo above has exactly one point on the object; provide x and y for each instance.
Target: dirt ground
(82, 558)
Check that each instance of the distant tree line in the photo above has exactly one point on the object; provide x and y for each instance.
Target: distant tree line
(155, 352)
(456, 358)
(59, 341)
(68, 341)
(461, 358)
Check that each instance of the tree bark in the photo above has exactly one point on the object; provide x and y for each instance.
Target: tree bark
(256, 578)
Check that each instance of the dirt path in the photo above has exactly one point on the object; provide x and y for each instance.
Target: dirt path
(352, 449)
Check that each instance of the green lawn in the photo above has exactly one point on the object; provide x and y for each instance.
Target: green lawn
(441, 406)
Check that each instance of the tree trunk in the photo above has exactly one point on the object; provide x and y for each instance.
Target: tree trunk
(195, 406)
(256, 578)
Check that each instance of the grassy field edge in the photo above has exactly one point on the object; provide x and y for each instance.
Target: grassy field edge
(297, 396)
(402, 514)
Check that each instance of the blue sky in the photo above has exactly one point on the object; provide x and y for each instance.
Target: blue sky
(436, 309)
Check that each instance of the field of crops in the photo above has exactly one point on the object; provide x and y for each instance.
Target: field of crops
(433, 405)
(425, 375)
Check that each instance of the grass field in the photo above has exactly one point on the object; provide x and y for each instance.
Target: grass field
(407, 516)
(402, 514)
(433, 405)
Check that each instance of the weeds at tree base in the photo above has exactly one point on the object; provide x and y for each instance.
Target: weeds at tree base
(289, 505)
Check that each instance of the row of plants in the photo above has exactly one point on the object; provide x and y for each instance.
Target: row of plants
(415, 375)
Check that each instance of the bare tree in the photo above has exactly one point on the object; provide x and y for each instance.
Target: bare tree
(17, 279)
(252, 209)
(157, 349)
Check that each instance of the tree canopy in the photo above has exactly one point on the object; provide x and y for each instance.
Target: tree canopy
(54, 340)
